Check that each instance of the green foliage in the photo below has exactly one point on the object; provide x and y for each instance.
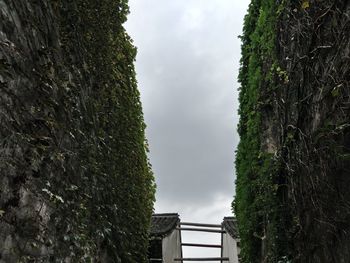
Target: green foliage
(293, 158)
(257, 204)
(101, 185)
(112, 191)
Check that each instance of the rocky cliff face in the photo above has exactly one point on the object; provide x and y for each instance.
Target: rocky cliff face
(75, 183)
(293, 160)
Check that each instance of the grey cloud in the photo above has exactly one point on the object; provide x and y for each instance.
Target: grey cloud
(187, 64)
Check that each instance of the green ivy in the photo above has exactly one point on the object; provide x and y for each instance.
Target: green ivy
(110, 195)
(257, 204)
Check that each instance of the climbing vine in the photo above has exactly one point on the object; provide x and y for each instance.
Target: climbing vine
(257, 204)
(81, 185)
(113, 148)
(293, 122)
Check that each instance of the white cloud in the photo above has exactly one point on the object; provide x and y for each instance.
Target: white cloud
(192, 18)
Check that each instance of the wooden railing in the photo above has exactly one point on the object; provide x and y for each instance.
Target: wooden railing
(210, 228)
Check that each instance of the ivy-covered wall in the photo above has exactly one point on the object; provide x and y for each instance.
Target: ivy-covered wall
(293, 158)
(75, 182)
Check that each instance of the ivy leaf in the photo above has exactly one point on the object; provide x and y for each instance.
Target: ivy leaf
(335, 92)
(305, 4)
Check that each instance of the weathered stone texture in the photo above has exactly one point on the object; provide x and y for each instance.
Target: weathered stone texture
(313, 111)
(33, 145)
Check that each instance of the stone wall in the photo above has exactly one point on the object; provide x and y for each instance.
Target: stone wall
(314, 110)
(33, 141)
(75, 183)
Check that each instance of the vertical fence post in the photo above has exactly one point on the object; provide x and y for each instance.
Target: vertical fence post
(222, 243)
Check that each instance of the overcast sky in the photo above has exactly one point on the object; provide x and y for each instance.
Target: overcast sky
(187, 66)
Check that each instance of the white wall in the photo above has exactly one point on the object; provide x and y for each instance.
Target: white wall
(171, 247)
(230, 248)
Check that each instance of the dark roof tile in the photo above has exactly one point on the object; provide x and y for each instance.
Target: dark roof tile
(230, 225)
(163, 224)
